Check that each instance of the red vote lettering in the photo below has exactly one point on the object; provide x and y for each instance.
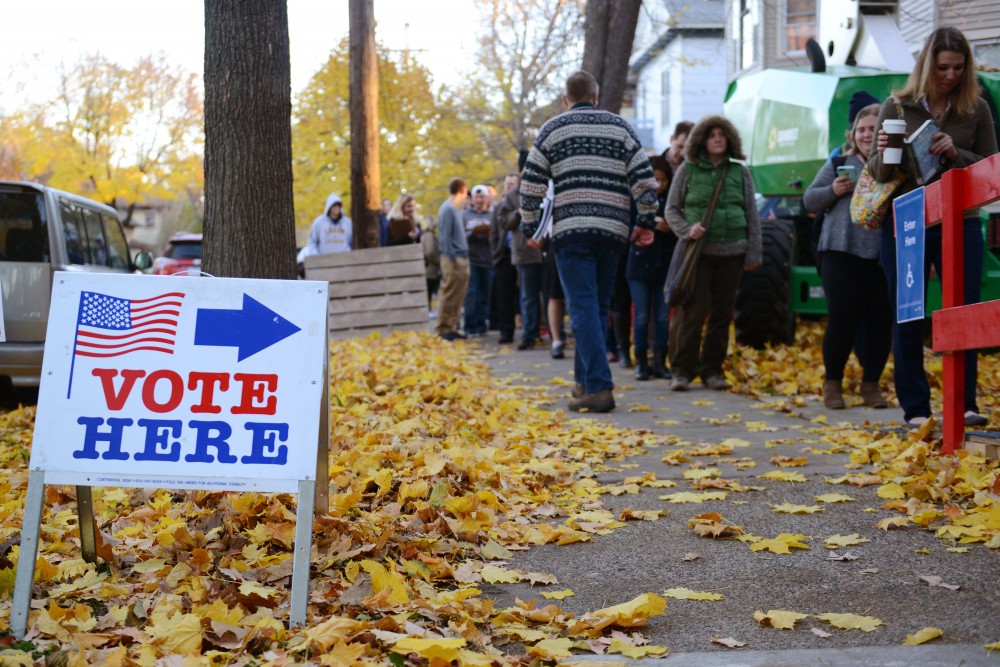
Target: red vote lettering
(116, 400)
(254, 385)
(208, 382)
(149, 389)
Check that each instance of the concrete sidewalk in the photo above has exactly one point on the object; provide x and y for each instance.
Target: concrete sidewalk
(883, 581)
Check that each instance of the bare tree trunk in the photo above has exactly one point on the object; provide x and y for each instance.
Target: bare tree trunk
(249, 211)
(365, 182)
(610, 30)
(595, 31)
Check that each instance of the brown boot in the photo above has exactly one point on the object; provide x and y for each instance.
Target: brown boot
(602, 401)
(833, 395)
(872, 395)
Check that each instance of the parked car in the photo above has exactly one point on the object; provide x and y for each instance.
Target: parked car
(43, 230)
(181, 256)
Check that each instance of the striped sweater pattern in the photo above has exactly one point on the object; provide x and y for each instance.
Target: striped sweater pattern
(597, 167)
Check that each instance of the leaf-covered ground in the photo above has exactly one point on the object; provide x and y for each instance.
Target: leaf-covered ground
(439, 473)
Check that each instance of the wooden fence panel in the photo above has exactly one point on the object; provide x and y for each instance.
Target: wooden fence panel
(377, 289)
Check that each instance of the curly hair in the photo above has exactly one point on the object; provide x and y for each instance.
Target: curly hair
(698, 137)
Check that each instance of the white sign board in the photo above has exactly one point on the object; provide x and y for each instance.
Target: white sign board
(181, 382)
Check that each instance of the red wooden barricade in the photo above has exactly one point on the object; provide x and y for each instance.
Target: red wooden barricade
(958, 327)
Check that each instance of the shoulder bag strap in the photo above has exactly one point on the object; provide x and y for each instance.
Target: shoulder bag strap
(710, 211)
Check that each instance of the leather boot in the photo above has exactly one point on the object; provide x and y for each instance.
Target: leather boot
(833, 394)
(641, 365)
(872, 395)
(660, 369)
(622, 323)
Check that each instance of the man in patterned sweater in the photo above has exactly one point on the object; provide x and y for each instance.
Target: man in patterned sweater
(597, 167)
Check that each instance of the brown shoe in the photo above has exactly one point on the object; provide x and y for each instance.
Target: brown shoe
(872, 395)
(717, 383)
(833, 395)
(679, 383)
(602, 401)
(578, 391)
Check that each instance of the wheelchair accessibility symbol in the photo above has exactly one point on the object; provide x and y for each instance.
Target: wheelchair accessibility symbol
(909, 275)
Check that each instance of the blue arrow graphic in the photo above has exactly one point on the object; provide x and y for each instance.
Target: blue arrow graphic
(253, 328)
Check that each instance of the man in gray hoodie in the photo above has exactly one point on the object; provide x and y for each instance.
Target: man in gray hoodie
(454, 250)
(332, 231)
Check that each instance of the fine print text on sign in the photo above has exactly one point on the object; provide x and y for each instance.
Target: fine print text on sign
(909, 214)
(181, 382)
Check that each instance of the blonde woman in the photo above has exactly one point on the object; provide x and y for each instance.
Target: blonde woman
(853, 281)
(403, 228)
(942, 88)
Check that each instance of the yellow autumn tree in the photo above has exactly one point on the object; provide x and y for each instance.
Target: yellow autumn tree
(426, 137)
(119, 135)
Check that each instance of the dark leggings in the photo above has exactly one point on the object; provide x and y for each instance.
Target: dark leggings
(856, 296)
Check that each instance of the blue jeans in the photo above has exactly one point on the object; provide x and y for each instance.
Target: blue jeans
(477, 299)
(649, 300)
(529, 277)
(912, 389)
(587, 273)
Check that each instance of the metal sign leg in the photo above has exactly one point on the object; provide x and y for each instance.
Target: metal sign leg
(25, 578)
(303, 548)
(88, 531)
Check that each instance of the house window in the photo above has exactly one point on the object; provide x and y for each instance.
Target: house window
(800, 24)
(665, 98)
(744, 24)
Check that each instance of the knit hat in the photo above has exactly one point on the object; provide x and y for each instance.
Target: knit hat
(859, 101)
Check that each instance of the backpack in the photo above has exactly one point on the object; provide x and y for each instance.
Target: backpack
(817, 225)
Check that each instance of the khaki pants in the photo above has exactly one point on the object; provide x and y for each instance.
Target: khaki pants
(451, 295)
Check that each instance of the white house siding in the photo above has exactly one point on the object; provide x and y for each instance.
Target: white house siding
(978, 19)
(916, 21)
(696, 73)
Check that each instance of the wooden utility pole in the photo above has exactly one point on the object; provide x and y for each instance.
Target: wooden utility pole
(365, 181)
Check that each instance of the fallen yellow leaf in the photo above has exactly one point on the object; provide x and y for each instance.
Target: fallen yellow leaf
(851, 621)
(923, 636)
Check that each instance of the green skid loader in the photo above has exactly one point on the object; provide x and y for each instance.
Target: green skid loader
(790, 120)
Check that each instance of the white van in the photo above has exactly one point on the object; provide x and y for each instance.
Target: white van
(43, 230)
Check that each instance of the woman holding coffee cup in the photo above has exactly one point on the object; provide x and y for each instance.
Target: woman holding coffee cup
(942, 88)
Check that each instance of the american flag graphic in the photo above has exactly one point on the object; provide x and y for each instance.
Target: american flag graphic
(109, 326)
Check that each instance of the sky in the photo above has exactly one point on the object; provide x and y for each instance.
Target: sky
(41, 35)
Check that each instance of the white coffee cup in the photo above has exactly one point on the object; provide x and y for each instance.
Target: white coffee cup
(896, 129)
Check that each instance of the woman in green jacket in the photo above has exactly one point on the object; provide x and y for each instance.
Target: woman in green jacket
(942, 88)
(732, 244)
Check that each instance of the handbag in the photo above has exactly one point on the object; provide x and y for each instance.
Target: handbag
(871, 198)
(680, 277)
(870, 201)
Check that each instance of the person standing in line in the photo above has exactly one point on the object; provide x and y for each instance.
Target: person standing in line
(403, 227)
(857, 296)
(942, 88)
(432, 261)
(505, 273)
(383, 222)
(454, 254)
(332, 231)
(477, 233)
(732, 244)
(598, 167)
(647, 273)
(527, 260)
(674, 153)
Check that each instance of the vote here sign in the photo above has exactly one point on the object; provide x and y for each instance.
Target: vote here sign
(181, 382)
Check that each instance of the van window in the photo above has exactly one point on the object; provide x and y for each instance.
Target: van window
(74, 233)
(118, 256)
(98, 245)
(24, 236)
